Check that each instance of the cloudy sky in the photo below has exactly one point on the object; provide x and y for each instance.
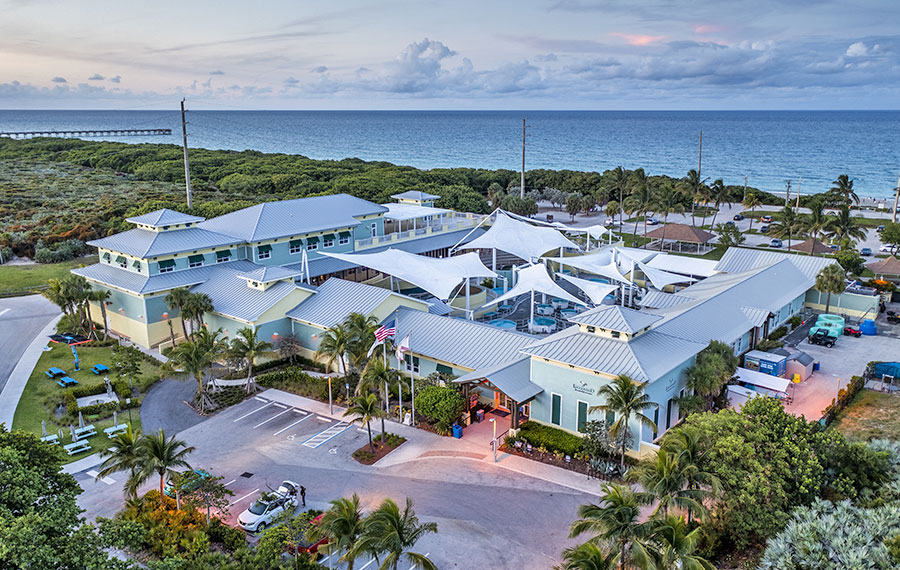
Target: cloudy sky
(453, 54)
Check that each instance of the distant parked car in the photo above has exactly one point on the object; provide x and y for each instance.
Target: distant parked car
(775, 243)
(610, 222)
(306, 545)
(268, 506)
(729, 223)
(767, 219)
(169, 489)
(652, 221)
(821, 338)
(880, 228)
(738, 217)
(866, 251)
(763, 229)
(885, 248)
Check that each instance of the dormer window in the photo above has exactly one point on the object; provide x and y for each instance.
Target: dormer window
(615, 334)
(123, 263)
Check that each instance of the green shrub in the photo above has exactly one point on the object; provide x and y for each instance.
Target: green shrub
(294, 380)
(550, 438)
(444, 405)
(778, 333)
(766, 345)
(795, 321)
(845, 396)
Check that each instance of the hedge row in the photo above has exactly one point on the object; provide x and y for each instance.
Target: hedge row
(304, 363)
(296, 381)
(550, 438)
(845, 396)
(73, 409)
(119, 386)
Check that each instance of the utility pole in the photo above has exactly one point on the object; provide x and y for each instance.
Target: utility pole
(522, 182)
(187, 164)
(787, 196)
(700, 157)
(896, 200)
(745, 187)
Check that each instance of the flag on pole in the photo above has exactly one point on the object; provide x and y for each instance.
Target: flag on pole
(385, 331)
(402, 347)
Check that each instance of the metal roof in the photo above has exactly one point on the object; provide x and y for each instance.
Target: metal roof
(232, 297)
(406, 211)
(644, 358)
(463, 343)
(415, 195)
(270, 273)
(164, 217)
(271, 220)
(740, 259)
(148, 243)
(337, 298)
(654, 299)
(513, 379)
(144, 284)
(616, 318)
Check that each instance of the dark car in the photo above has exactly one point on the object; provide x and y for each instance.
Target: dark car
(822, 338)
(763, 229)
(767, 219)
(729, 223)
(852, 331)
(738, 217)
(880, 228)
(866, 251)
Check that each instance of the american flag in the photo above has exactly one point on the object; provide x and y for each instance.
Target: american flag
(385, 331)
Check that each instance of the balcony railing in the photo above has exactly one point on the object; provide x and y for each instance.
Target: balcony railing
(458, 222)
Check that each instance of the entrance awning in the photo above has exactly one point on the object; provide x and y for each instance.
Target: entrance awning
(511, 378)
(767, 381)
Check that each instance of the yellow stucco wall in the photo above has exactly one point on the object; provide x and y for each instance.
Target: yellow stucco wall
(137, 331)
(278, 310)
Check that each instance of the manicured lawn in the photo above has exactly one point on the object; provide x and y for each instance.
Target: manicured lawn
(36, 275)
(42, 395)
(871, 415)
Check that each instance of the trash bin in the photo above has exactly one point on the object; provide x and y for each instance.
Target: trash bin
(816, 366)
(457, 431)
(480, 415)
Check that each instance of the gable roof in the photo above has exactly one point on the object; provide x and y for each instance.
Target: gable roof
(148, 243)
(681, 232)
(232, 297)
(284, 218)
(415, 195)
(164, 217)
(616, 318)
(812, 246)
(887, 266)
(740, 259)
(463, 343)
(270, 273)
(337, 298)
(512, 378)
(142, 284)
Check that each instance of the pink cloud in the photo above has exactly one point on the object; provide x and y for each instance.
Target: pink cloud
(706, 29)
(638, 39)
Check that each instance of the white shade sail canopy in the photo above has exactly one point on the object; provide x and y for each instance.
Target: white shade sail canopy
(535, 278)
(596, 292)
(519, 238)
(661, 278)
(597, 231)
(437, 276)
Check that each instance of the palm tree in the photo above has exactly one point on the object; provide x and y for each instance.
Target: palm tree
(751, 201)
(361, 329)
(674, 544)
(667, 201)
(56, 294)
(365, 408)
(685, 443)
(625, 398)
(123, 455)
(246, 345)
(618, 182)
(587, 556)
(640, 199)
(334, 346)
(342, 524)
(695, 188)
(377, 374)
(394, 533)
(616, 520)
(786, 226)
(193, 357)
(842, 226)
(718, 193)
(843, 188)
(159, 456)
(817, 222)
(176, 300)
(831, 280)
(196, 305)
(663, 477)
(101, 296)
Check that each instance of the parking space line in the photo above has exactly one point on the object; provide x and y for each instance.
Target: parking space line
(254, 411)
(258, 399)
(272, 418)
(363, 567)
(230, 482)
(280, 406)
(292, 425)
(93, 475)
(326, 434)
(321, 419)
(3, 312)
(236, 501)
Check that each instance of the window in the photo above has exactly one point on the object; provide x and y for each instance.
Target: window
(411, 364)
(312, 244)
(166, 265)
(344, 238)
(296, 246)
(223, 256)
(195, 261)
(106, 256)
(328, 240)
(582, 415)
(591, 329)
(615, 334)
(656, 422)
(555, 408)
(610, 419)
(444, 369)
(374, 228)
(264, 252)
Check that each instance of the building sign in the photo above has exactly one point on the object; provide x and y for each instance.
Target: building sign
(583, 388)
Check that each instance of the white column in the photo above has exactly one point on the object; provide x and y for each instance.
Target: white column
(468, 313)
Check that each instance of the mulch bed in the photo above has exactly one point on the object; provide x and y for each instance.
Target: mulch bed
(364, 456)
(576, 465)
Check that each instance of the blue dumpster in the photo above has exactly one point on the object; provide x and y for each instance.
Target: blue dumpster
(457, 431)
(816, 366)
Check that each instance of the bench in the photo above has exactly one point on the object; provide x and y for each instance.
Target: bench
(99, 369)
(77, 447)
(67, 381)
(86, 431)
(52, 439)
(113, 431)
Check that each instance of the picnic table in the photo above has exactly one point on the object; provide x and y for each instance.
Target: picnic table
(99, 369)
(67, 381)
(52, 439)
(86, 431)
(54, 372)
(77, 447)
(113, 431)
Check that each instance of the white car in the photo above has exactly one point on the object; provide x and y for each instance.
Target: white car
(268, 506)
(885, 248)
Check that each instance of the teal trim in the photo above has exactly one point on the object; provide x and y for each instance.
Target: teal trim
(555, 409)
(166, 263)
(582, 416)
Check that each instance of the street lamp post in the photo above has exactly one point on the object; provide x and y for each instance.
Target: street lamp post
(330, 403)
(494, 440)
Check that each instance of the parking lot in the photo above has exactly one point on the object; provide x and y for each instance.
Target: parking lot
(479, 507)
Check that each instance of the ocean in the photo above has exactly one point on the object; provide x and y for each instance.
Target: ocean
(809, 148)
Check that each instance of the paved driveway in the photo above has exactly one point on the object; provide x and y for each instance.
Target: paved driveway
(21, 319)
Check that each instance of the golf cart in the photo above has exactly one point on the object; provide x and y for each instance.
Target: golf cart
(822, 338)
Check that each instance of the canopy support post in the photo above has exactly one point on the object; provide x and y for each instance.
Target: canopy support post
(531, 318)
(468, 311)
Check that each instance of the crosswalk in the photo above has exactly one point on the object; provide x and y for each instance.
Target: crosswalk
(326, 434)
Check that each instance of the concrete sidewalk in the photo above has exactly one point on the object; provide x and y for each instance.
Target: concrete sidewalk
(9, 398)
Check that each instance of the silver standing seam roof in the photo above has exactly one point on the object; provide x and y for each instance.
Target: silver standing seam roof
(164, 217)
(145, 284)
(285, 218)
(463, 343)
(740, 259)
(269, 273)
(337, 298)
(232, 297)
(148, 243)
(616, 318)
(415, 195)
(512, 378)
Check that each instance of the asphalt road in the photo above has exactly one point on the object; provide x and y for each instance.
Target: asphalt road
(21, 319)
(486, 515)
(164, 406)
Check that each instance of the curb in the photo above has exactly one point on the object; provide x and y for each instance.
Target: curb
(15, 385)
